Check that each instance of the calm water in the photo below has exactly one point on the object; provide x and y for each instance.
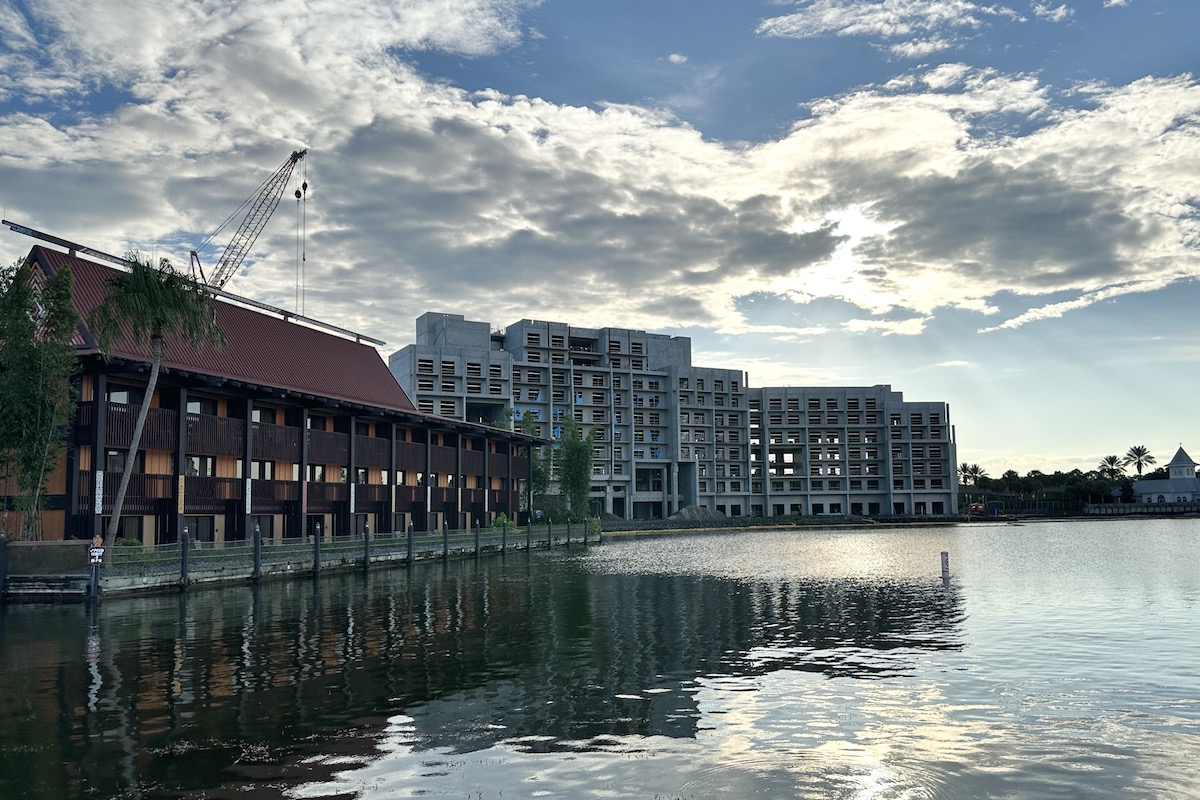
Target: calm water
(1062, 660)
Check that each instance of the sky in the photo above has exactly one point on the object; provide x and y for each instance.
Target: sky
(991, 204)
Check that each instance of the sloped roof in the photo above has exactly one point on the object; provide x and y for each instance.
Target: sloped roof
(261, 350)
(1181, 459)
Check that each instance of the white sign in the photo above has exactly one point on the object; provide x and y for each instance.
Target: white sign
(96, 555)
(99, 492)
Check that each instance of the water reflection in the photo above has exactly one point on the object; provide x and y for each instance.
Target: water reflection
(721, 666)
(208, 688)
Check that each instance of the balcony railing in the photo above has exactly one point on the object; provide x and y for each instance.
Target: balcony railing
(159, 432)
(276, 442)
(273, 497)
(215, 436)
(325, 447)
(371, 451)
(203, 495)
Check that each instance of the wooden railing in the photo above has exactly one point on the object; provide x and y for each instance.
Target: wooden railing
(410, 456)
(211, 495)
(325, 447)
(323, 496)
(276, 442)
(273, 497)
(443, 459)
(159, 433)
(371, 451)
(215, 436)
(145, 495)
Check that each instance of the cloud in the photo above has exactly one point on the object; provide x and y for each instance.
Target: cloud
(676, 58)
(882, 208)
(922, 26)
(1052, 13)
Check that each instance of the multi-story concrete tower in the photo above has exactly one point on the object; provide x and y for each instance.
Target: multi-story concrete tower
(670, 434)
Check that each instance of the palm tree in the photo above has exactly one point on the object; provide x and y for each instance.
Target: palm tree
(976, 472)
(150, 303)
(964, 473)
(1111, 467)
(1138, 456)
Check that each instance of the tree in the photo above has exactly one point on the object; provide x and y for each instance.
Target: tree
(1138, 456)
(575, 471)
(539, 463)
(150, 303)
(976, 472)
(964, 473)
(1111, 467)
(37, 362)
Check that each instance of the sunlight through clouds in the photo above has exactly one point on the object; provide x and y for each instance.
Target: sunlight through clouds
(896, 209)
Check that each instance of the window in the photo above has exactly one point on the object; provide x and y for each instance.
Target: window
(425, 366)
(114, 461)
(200, 466)
(129, 395)
(265, 416)
(202, 405)
(262, 470)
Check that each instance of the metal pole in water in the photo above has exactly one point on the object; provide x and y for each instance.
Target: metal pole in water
(410, 543)
(257, 552)
(185, 545)
(317, 552)
(366, 545)
(945, 567)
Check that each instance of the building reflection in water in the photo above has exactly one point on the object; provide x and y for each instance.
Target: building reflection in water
(290, 681)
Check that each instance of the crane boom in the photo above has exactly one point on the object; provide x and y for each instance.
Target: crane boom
(262, 206)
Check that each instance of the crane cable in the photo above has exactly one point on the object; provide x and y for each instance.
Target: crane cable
(301, 237)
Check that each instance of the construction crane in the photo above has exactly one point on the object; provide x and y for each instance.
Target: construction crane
(262, 205)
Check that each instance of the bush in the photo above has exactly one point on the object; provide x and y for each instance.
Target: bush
(121, 541)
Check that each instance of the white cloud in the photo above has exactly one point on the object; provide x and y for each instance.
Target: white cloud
(1052, 13)
(923, 26)
(676, 58)
(903, 202)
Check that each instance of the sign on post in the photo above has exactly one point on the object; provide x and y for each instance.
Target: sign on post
(96, 552)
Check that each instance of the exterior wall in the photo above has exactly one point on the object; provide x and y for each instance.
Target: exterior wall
(453, 476)
(859, 451)
(670, 434)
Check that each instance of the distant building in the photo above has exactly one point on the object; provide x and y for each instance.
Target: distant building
(1180, 486)
(672, 435)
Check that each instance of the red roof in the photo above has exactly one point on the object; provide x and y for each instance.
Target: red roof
(260, 350)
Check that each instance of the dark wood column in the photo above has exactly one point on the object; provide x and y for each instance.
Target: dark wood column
(248, 482)
(181, 445)
(351, 479)
(95, 514)
(389, 524)
(302, 521)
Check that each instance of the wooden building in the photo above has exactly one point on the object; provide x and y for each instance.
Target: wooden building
(290, 427)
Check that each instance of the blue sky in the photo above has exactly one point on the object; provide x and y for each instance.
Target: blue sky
(989, 203)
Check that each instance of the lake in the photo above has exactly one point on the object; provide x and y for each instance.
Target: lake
(1059, 660)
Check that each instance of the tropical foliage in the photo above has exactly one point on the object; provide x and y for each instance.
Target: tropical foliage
(1111, 467)
(37, 361)
(970, 474)
(1138, 457)
(569, 460)
(151, 302)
